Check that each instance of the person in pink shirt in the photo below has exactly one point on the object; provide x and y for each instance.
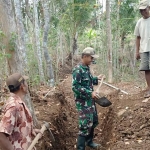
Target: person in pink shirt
(16, 126)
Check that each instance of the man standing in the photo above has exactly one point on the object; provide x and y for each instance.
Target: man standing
(16, 126)
(82, 87)
(142, 32)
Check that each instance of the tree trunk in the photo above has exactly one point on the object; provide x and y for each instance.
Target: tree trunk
(122, 42)
(20, 45)
(109, 42)
(37, 40)
(28, 11)
(50, 71)
(18, 60)
(61, 48)
(74, 47)
(14, 32)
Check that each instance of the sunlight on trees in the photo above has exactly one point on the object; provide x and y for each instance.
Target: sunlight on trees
(51, 33)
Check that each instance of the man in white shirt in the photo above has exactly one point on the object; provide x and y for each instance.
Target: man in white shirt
(142, 32)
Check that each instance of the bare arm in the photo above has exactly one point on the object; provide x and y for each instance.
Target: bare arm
(138, 38)
(5, 143)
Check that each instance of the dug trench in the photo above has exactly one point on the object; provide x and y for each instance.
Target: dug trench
(123, 125)
(58, 108)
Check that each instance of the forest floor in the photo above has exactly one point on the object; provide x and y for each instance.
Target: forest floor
(124, 125)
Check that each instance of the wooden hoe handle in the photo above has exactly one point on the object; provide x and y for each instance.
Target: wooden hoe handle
(98, 88)
(44, 127)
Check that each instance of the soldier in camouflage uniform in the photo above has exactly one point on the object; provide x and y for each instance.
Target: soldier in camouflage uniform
(82, 86)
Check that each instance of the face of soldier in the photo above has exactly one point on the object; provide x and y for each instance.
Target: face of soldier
(145, 12)
(88, 59)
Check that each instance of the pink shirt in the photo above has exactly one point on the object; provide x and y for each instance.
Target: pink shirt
(17, 123)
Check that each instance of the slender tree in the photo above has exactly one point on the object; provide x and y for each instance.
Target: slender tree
(47, 15)
(37, 39)
(109, 42)
(18, 60)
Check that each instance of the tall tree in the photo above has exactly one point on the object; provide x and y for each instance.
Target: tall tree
(75, 19)
(37, 39)
(18, 60)
(47, 15)
(109, 42)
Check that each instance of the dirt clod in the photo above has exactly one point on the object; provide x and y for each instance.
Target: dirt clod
(125, 125)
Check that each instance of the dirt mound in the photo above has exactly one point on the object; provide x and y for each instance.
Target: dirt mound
(67, 68)
(132, 127)
(124, 125)
(59, 113)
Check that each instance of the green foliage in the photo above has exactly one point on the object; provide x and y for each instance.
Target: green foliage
(88, 20)
(12, 41)
(32, 65)
(52, 38)
(82, 13)
(2, 47)
(35, 80)
(2, 55)
(77, 16)
(2, 35)
(91, 34)
(126, 17)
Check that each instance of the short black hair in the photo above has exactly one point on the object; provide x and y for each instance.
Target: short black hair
(13, 89)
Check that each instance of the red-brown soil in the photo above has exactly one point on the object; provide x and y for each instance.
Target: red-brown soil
(124, 125)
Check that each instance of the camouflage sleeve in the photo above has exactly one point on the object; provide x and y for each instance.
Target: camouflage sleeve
(77, 88)
(95, 81)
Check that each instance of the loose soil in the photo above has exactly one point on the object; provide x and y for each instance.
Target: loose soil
(124, 125)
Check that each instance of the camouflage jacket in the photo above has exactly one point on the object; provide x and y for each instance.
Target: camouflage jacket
(82, 86)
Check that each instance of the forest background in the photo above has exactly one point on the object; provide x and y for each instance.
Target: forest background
(43, 38)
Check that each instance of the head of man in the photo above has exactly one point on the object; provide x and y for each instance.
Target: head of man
(88, 56)
(144, 7)
(17, 83)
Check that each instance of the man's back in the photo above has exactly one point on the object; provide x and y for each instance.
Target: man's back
(17, 123)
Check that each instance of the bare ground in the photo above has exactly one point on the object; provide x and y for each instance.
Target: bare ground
(124, 125)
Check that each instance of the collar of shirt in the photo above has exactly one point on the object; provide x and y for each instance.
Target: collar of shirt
(19, 100)
(84, 66)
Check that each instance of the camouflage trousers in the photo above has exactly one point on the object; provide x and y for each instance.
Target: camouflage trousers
(88, 119)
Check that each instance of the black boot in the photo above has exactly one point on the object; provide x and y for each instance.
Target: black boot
(89, 140)
(81, 143)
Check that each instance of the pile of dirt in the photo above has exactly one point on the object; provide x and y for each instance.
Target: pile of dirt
(55, 109)
(132, 124)
(66, 68)
(124, 125)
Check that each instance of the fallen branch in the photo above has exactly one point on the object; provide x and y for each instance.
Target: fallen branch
(49, 92)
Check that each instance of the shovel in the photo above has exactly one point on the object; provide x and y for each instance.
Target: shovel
(102, 101)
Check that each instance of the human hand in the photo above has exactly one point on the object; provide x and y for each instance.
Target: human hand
(101, 76)
(37, 131)
(138, 56)
(94, 95)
